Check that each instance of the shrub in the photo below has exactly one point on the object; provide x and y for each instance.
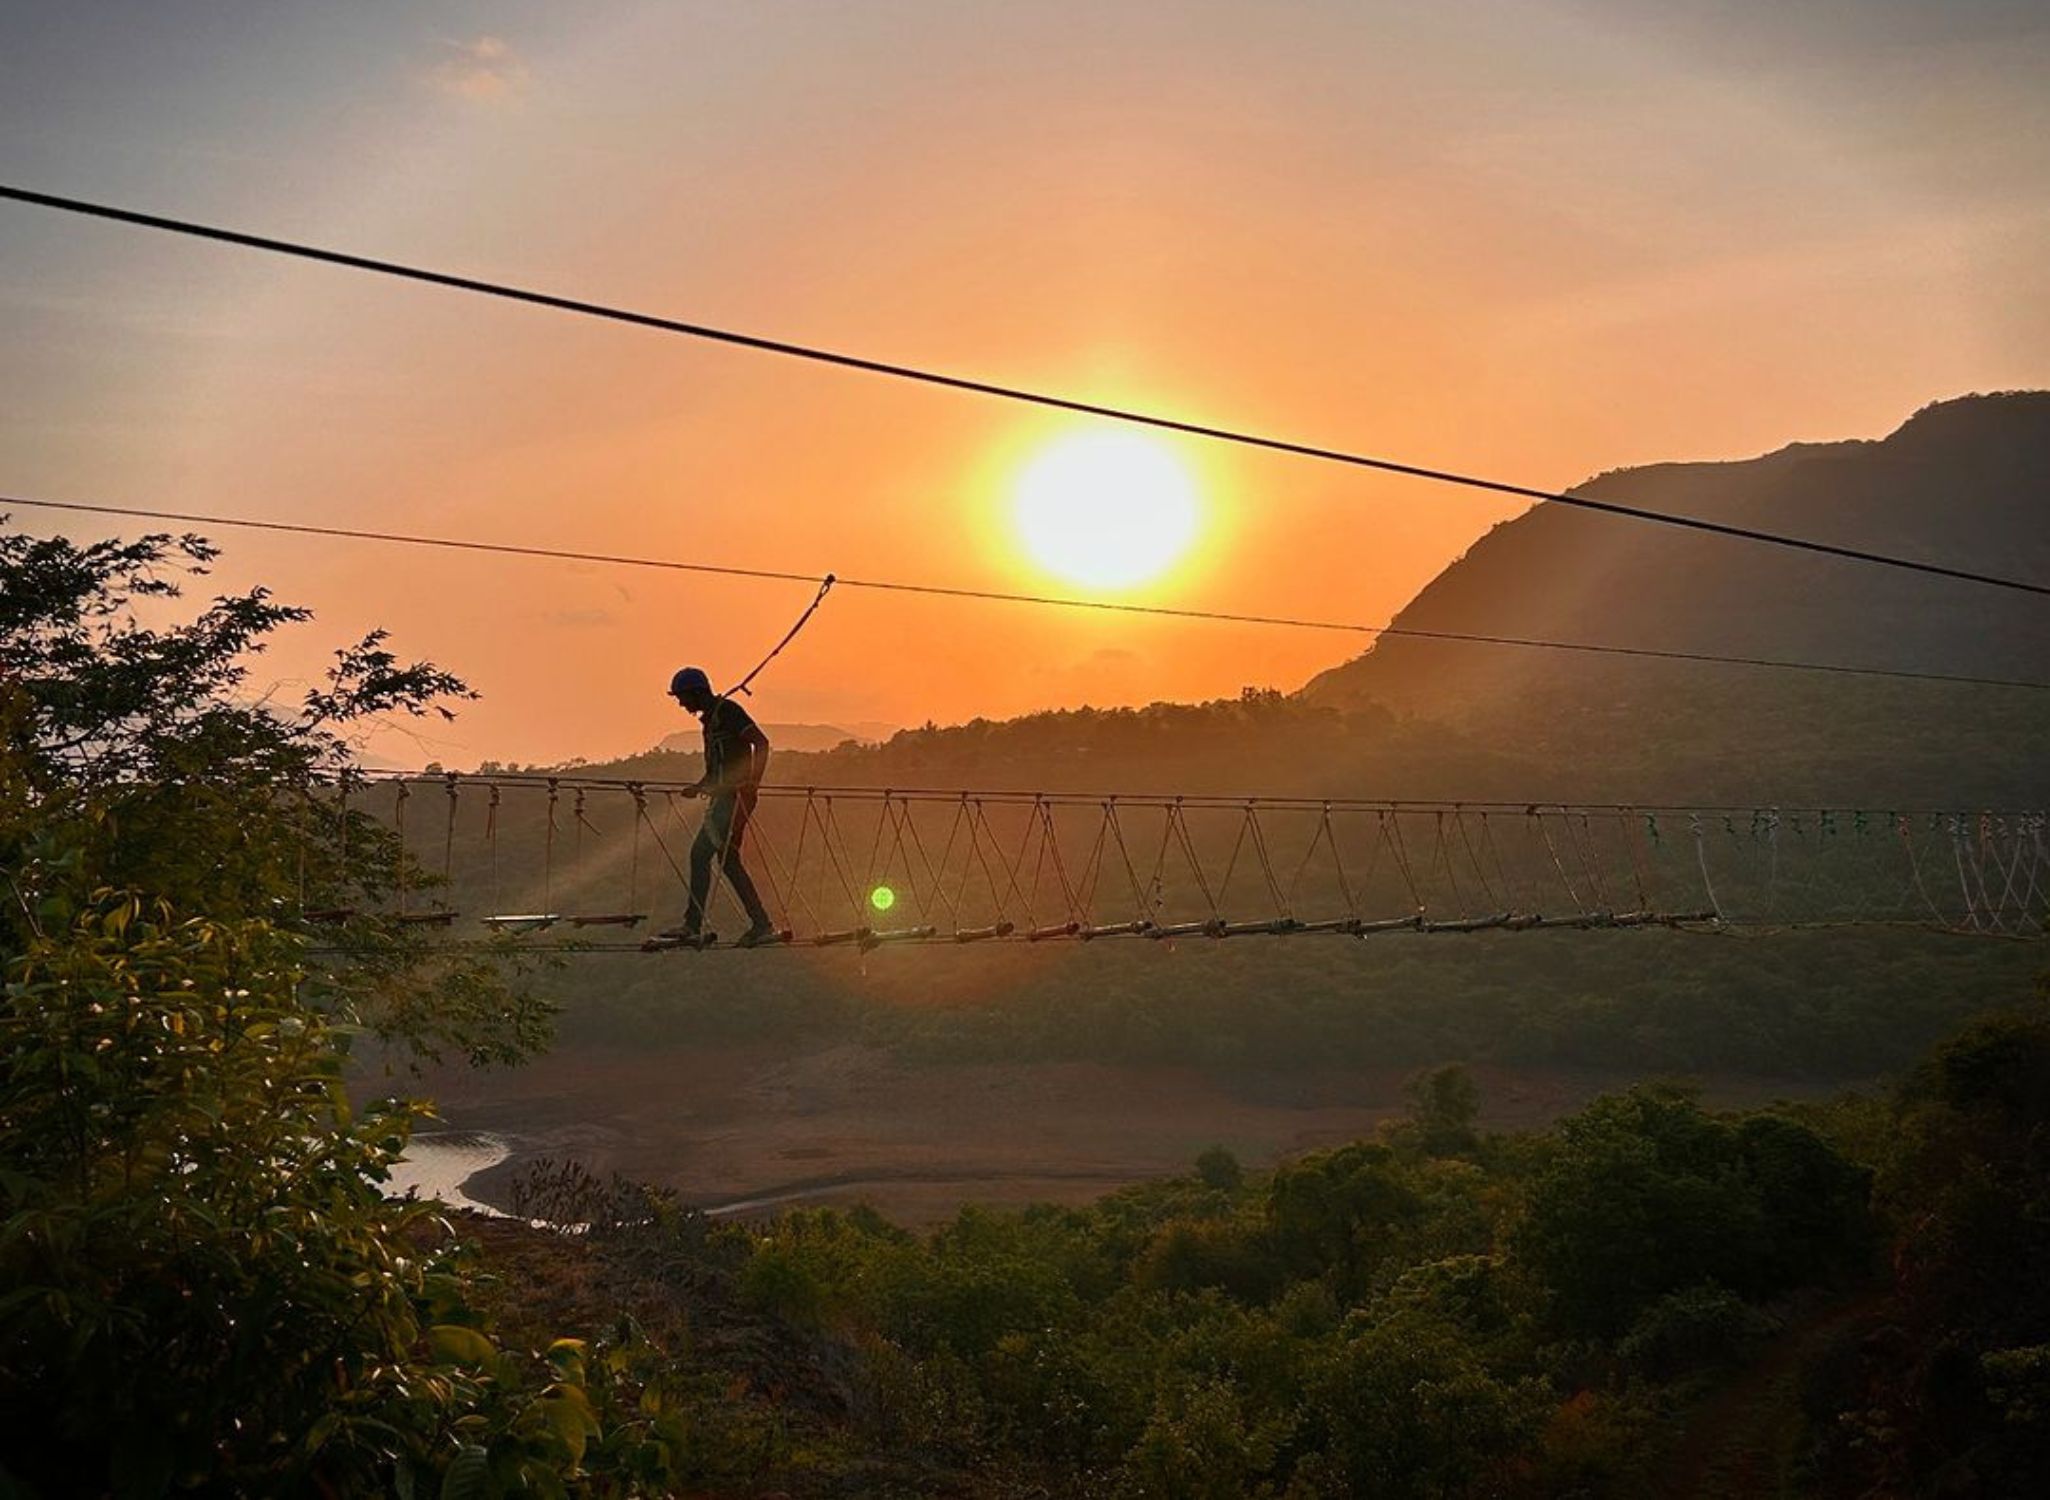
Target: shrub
(1695, 1329)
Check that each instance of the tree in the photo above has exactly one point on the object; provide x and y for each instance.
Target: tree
(201, 1281)
(1218, 1169)
(1332, 1211)
(1443, 1104)
(1407, 1408)
(171, 781)
(1968, 1191)
(1643, 1197)
(1647, 1193)
(198, 1260)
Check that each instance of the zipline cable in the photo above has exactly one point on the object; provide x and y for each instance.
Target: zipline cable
(973, 386)
(940, 591)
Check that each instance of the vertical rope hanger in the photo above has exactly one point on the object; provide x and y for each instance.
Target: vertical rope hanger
(935, 878)
(491, 841)
(1494, 852)
(982, 840)
(1551, 849)
(405, 793)
(1284, 916)
(1472, 858)
(305, 817)
(1701, 858)
(639, 794)
(1443, 850)
(448, 837)
(548, 850)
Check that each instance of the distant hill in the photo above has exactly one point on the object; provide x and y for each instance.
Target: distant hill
(795, 736)
(1963, 482)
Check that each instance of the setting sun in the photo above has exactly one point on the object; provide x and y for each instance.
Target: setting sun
(1106, 509)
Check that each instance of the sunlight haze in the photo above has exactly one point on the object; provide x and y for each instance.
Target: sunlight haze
(1528, 241)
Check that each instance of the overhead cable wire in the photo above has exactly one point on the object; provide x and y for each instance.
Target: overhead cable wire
(942, 591)
(973, 386)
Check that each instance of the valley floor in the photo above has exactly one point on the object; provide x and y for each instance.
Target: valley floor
(741, 1128)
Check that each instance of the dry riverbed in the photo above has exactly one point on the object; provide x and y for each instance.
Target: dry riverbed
(755, 1128)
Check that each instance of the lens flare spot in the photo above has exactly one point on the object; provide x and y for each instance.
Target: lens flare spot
(882, 898)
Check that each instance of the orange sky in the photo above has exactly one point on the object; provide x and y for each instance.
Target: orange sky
(1557, 242)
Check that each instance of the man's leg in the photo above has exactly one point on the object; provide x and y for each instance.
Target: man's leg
(736, 872)
(703, 850)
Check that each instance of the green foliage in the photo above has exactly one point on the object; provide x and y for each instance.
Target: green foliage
(1646, 1193)
(1334, 1212)
(1410, 1409)
(1219, 1169)
(1374, 1319)
(202, 1284)
(1233, 1255)
(205, 1284)
(198, 1257)
(2018, 1385)
(1529, 1316)
(1444, 1102)
(1201, 1443)
(134, 758)
(1966, 1192)
(1694, 1329)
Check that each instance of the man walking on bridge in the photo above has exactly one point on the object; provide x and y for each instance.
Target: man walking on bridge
(736, 758)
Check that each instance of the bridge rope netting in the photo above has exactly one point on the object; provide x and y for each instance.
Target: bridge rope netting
(536, 860)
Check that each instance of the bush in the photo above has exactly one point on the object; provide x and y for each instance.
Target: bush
(1696, 1329)
(1217, 1168)
(200, 1264)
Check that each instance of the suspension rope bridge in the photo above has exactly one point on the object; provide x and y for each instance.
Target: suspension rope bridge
(537, 860)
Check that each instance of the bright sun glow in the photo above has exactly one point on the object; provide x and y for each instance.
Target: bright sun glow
(1106, 509)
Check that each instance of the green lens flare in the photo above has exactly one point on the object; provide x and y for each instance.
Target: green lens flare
(882, 898)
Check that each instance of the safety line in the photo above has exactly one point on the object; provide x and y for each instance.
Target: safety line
(1405, 632)
(972, 386)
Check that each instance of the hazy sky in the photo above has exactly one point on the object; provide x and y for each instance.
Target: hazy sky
(1533, 240)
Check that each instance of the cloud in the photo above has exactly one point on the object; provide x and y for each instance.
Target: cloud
(484, 69)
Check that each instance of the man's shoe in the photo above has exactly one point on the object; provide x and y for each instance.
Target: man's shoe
(679, 937)
(761, 935)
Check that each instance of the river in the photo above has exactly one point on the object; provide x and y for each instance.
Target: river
(438, 1163)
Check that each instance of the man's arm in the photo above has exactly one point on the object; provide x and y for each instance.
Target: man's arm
(757, 745)
(706, 781)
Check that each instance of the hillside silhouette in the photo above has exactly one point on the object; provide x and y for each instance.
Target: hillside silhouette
(1960, 484)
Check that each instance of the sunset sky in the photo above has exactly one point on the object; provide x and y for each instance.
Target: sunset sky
(1530, 240)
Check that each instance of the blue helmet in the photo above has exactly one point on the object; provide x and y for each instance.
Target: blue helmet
(690, 680)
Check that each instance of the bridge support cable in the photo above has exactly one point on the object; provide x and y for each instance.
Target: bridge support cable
(941, 379)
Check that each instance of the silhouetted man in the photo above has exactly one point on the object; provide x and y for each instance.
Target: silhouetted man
(736, 757)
